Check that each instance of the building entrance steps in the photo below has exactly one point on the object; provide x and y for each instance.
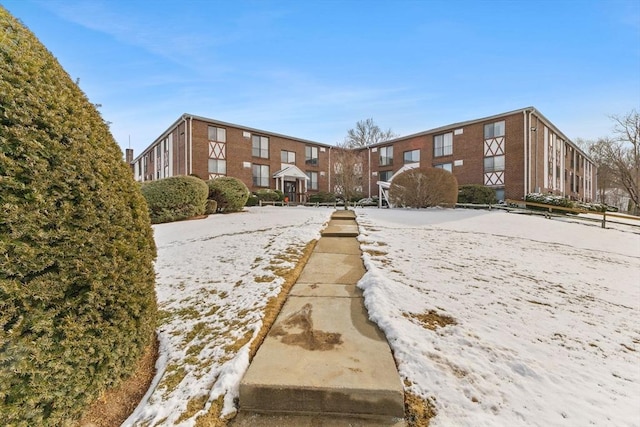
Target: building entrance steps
(323, 362)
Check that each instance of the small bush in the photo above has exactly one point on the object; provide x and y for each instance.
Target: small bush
(77, 298)
(175, 198)
(356, 196)
(424, 187)
(322, 197)
(549, 199)
(212, 207)
(252, 200)
(268, 195)
(476, 193)
(230, 193)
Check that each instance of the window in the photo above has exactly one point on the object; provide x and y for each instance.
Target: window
(385, 175)
(312, 180)
(218, 166)
(494, 130)
(412, 156)
(386, 156)
(261, 175)
(217, 134)
(288, 157)
(260, 146)
(494, 164)
(443, 145)
(311, 155)
(445, 166)
(500, 194)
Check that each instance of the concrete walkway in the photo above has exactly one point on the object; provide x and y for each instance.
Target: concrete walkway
(324, 363)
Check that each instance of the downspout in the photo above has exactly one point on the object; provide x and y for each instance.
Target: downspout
(526, 140)
(536, 187)
(190, 144)
(369, 170)
(329, 173)
(186, 137)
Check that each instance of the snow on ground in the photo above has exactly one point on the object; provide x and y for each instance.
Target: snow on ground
(547, 312)
(547, 315)
(214, 277)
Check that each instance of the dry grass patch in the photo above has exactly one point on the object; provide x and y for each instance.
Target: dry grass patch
(194, 405)
(212, 417)
(418, 411)
(374, 252)
(172, 377)
(431, 319)
(239, 343)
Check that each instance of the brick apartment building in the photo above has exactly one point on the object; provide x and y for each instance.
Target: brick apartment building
(515, 153)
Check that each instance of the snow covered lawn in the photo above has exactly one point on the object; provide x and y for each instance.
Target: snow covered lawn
(540, 318)
(497, 319)
(214, 277)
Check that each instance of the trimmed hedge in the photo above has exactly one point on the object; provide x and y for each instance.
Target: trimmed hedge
(175, 198)
(424, 187)
(322, 197)
(252, 200)
(230, 193)
(269, 195)
(77, 299)
(476, 193)
(555, 200)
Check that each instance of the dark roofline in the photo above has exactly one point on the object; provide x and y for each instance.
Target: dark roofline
(485, 119)
(453, 126)
(379, 144)
(226, 124)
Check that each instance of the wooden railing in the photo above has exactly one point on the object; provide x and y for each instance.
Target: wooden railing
(552, 208)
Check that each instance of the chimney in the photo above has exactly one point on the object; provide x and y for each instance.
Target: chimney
(128, 156)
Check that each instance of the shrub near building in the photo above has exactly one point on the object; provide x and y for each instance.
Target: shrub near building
(476, 194)
(424, 187)
(77, 301)
(175, 198)
(230, 193)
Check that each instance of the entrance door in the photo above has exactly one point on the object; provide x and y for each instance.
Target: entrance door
(290, 190)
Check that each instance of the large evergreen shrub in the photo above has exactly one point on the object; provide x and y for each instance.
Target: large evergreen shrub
(476, 193)
(175, 198)
(424, 187)
(77, 301)
(230, 193)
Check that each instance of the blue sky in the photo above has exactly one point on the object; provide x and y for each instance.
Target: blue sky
(312, 69)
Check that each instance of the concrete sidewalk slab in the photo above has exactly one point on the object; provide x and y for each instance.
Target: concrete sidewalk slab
(316, 420)
(342, 363)
(341, 229)
(332, 268)
(338, 245)
(343, 214)
(325, 290)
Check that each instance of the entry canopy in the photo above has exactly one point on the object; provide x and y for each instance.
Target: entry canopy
(292, 172)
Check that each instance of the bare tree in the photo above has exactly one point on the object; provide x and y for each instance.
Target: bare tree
(618, 158)
(347, 168)
(625, 154)
(367, 133)
(607, 177)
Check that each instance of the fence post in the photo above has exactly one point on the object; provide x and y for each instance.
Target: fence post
(604, 219)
